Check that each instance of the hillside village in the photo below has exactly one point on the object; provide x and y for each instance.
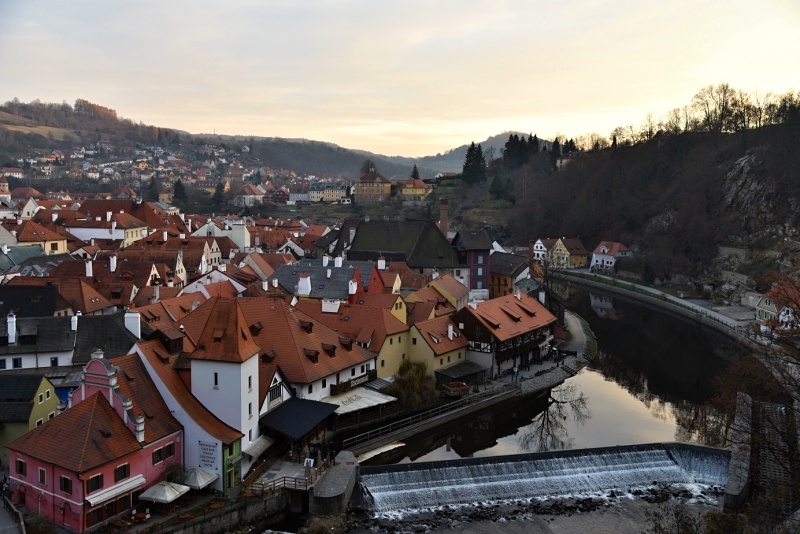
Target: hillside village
(167, 343)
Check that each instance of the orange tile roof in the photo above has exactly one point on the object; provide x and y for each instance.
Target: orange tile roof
(135, 383)
(94, 432)
(295, 338)
(509, 316)
(612, 248)
(360, 322)
(159, 360)
(81, 296)
(435, 332)
(451, 285)
(220, 332)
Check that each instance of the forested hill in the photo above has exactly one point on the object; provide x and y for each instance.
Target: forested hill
(676, 197)
(39, 127)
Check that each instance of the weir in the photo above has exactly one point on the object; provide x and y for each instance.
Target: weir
(551, 474)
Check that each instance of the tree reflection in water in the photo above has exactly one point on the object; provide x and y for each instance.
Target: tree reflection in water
(548, 430)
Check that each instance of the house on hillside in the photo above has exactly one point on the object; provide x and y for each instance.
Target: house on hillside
(779, 308)
(606, 255)
(568, 253)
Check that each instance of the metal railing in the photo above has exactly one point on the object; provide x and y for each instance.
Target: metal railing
(424, 417)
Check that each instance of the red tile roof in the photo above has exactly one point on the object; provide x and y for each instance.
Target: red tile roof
(435, 332)
(220, 332)
(509, 316)
(88, 435)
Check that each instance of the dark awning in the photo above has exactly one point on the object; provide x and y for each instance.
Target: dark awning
(295, 418)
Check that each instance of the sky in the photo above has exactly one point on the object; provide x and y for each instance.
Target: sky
(410, 78)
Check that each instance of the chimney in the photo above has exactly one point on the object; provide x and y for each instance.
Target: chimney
(133, 322)
(183, 236)
(352, 235)
(156, 292)
(275, 283)
(97, 354)
(337, 262)
(89, 269)
(352, 287)
(5, 248)
(450, 331)
(325, 260)
(113, 226)
(381, 264)
(195, 304)
(444, 221)
(54, 216)
(164, 236)
(265, 285)
(108, 216)
(140, 429)
(329, 273)
(221, 267)
(304, 284)
(112, 263)
(73, 322)
(12, 328)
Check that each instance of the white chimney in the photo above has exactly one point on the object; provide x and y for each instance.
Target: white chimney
(73, 322)
(337, 262)
(352, 234)
(352, 287)
(325, 260)
(304, 284)
(5, 248)
(164, 236)
(133, 322)
(156, 293)
(221, 267)
(381, 264)
(275, 283)
(112, 263)
(89, 269)
(54, 216)
(12, 328)
(97, 354)
(329, 273)
(108, 216)
(265, 285)
(140, 429)
(170, 283)
(450, 331)
(183, 236)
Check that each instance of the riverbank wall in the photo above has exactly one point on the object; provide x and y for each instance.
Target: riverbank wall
(655, 297)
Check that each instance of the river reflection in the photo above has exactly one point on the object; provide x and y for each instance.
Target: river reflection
(646, 387)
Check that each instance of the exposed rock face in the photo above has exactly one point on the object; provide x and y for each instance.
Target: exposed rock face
(756, 202)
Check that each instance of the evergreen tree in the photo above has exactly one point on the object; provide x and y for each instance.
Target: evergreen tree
(474, 165)
(555, 151)
(180, 191)
(152, 190)
(217, 197)
(368, 166)
(415, 173)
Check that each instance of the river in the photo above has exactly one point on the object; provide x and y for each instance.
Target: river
(656, 368)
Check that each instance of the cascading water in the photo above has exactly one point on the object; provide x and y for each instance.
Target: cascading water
(548, 475)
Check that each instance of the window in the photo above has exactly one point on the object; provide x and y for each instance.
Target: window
(362, 369)
(65, 485)
(16, 363)
(157, 456)
(122, 472)
(353, 371)
(2, 363)
(47, 394)
(250, 410)
(441, 361)
(39, 422)
(22, 469)
(42, 476)
(275, 393)
(169, 450)
(404, 356)
(480, 259)
(250, 383)
(41, 398)
(51, 415)
(311, 388)
(480, 271)
(458, 272)
(54, 246)
(54, 362)
(216, 380)
(413, 341)
(448, 359)
(324, 383)
(231, 448)
(391, 341)
(383, 363)
(94, 483)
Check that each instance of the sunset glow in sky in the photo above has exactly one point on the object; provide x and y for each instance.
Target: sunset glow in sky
(409, 78)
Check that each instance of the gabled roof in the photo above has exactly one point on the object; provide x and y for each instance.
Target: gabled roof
(372, 177)
(508, 264)
(435, 332)
(297, 343)
(419, 243)
(430, 294)
(94, 431)
(548, 242)
(50, 334)
(135, 383)
(359, 322)
(30, 300)
(612, 248)
(574, 246)
(472, 240)
(219, 332)
(446, 283)
(105, 332)
(19, 388)
(295, 418)
(510, 316)
(32, 232)
(74, 292)
(160, 361)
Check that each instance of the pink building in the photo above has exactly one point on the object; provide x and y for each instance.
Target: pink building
(91, 463)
